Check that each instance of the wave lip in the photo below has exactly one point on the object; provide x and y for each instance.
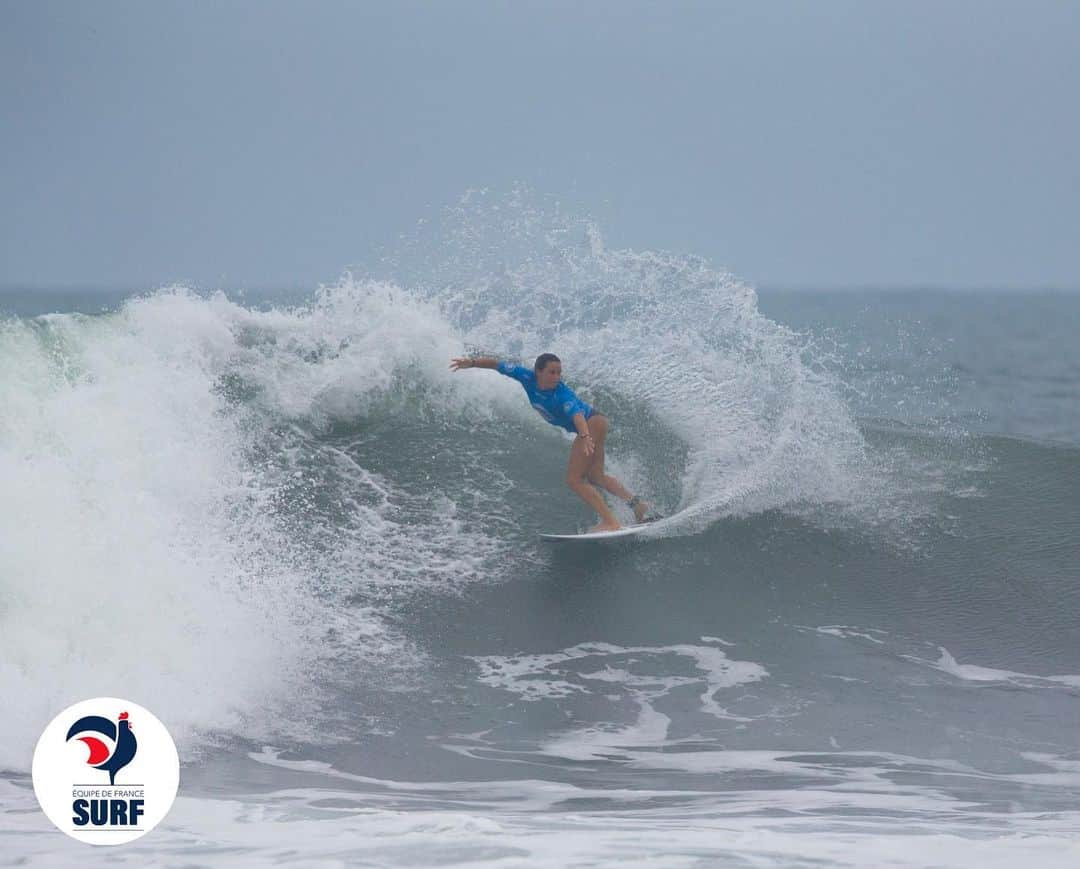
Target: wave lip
(164, 467)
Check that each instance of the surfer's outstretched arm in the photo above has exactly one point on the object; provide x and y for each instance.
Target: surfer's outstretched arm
(478, 362)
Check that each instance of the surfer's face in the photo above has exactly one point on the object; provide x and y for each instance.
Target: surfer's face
(548, 377)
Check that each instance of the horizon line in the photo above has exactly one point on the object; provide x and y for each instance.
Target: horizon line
(877, 287)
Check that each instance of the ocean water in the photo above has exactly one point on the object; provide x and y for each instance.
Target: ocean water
(281, 523)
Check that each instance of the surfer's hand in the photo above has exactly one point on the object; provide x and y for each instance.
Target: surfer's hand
(458, 364)
(590, 446)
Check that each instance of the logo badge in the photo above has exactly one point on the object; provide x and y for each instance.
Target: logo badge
(99, 782)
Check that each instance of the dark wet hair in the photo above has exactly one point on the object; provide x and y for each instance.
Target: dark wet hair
(543, 359)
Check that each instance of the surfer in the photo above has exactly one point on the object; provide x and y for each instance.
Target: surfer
(557, 403)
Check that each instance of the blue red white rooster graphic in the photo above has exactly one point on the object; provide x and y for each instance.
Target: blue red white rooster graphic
(102, 757)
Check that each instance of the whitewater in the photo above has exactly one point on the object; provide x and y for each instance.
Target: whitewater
(286, 527)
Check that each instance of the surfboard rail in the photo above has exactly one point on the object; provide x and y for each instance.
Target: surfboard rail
(598, 536)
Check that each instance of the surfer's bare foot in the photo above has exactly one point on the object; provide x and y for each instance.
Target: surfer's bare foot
(640, 509)
(605, 526)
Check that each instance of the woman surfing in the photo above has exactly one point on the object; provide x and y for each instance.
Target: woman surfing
(557, 403)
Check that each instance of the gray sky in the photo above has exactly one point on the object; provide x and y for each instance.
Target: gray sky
(798, 144)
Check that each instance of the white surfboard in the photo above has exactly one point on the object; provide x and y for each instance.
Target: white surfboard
(598, 536)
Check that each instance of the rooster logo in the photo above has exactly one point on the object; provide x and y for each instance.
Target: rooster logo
(119, 734)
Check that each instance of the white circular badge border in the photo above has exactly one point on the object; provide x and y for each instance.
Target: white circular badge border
(62, 774)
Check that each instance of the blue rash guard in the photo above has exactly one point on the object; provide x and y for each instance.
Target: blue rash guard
(557, 405)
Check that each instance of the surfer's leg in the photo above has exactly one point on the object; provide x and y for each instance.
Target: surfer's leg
(576, 478)
(598, 427)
